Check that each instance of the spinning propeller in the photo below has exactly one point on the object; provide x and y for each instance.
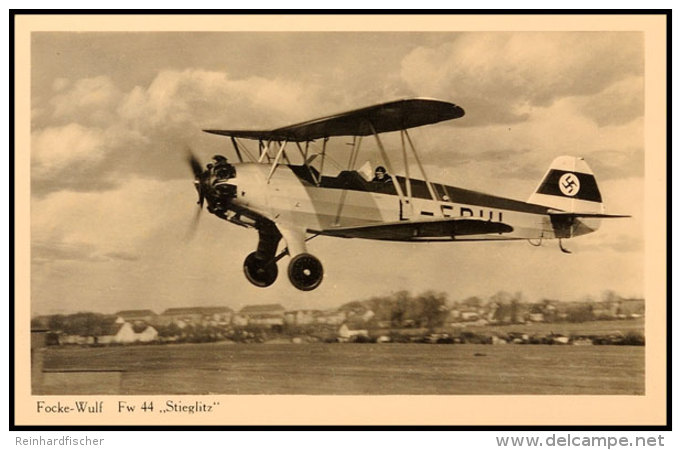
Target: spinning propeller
(212, 185)
(197, 170)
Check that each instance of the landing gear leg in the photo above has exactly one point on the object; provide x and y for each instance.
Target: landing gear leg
(304, 271)
(563, 249)
(260, 267)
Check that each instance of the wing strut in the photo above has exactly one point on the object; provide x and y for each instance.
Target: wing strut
(356, 143)
(264, 151)
(388, 166)
(321, 166)
(306, 162)
(236, 149)
(406, 171)
(423, 172)
(275, 163)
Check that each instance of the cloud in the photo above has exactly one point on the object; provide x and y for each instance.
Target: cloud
(88, 101)
(71, 146)
(460, 157)
(130, 214)
(123, 256)
(79, 158)
(499, 77)
(617, 164)
(210, 99)
(92, 136)
(618, 104)
(59, 84)
(618, 243)
(43, 252)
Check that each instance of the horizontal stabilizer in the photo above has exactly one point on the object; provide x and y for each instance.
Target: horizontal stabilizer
(587, 215)
(429, 230)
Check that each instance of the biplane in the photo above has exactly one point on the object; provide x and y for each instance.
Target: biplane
(298, 202)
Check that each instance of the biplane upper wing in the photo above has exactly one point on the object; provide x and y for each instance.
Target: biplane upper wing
(386, 117)
(449, 227)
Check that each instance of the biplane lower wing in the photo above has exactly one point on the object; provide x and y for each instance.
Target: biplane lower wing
(571, 215)
(431, 230)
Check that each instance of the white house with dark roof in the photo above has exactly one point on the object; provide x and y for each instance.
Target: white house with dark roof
(349, 331)
(114, 330)
(126, 333)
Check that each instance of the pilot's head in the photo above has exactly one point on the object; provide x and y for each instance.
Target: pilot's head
(219, 158)
(380, 172)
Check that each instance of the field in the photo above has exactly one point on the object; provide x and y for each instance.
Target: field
(378, 369)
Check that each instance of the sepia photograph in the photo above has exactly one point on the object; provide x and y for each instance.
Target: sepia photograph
(423, 212)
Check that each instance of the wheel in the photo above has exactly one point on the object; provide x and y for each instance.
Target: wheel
(259, 273)
(305, 272)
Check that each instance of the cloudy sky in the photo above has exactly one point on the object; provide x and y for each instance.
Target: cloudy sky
(112, 197)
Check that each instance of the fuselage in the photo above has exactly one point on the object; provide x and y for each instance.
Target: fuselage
(295, 196)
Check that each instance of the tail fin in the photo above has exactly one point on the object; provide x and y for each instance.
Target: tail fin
(569, 186)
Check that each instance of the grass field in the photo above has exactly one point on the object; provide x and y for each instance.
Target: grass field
(348, 369)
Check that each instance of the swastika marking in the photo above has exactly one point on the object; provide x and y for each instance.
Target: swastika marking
(569, 184)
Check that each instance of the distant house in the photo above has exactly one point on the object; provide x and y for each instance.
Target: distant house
(353, 308)
(560, 339)
(264, 315)
(535, 317)
(491, 312)
(126, 333)
(631, 308)
(313, 316)
(362, 314)
(330, 317)
(604, 310)
(479, 322)
(454, 315)
(300, 317)
(137, 315)
(113, 331)
(184, 315)
(367, 316)
(496, 340)
(239, 321)
(348, 331)
(198, 315)
(469, 316)
(65, 339)
(217, 315)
